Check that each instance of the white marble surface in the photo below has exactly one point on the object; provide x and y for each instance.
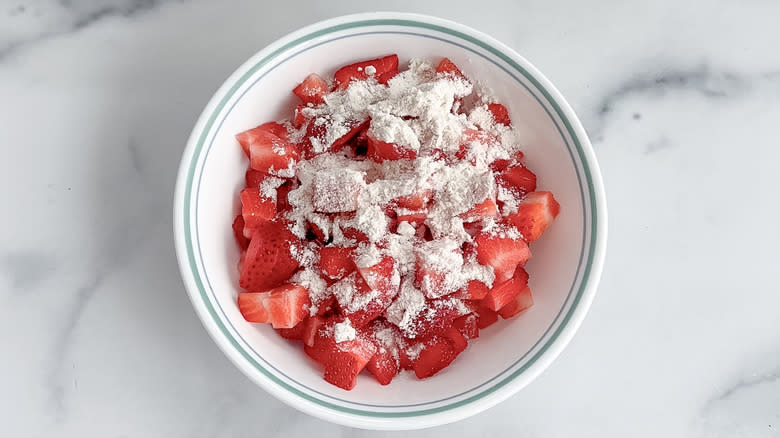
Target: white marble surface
(682, 100)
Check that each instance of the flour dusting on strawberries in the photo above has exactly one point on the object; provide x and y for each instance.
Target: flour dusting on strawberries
(389, 220)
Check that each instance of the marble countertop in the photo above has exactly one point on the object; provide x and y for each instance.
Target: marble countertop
(681, 98)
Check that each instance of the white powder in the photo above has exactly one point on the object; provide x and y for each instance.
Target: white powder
(414, 111)
(343, 331)
(269, 185)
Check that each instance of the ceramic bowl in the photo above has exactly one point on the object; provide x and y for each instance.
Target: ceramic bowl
(564, 270)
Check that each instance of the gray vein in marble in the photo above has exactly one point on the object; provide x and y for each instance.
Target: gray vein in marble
(26, 269)
(703, 80)
(659, 144)
(744, 384)
(75, 15)
(135, 156)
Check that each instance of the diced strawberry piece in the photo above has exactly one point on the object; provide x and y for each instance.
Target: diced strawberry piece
(238, 231)
(311, 329)
(260, 134)
(268, 261)
(268, 153)
(459, 342)
(282, 204)
(436, 320)
(474, 136)
(372, 301)
(501, 164)
(485, 316)
(378, 276)
(253, 178)
(414, 218)
(474, 290)
(319, 345)
(312, 89)
(434, 357)
(337, 192)
(347, 360)
(500, 113)
(384, 69)
(518, 178)
(296, 333)
(381, 151)
(255, 208)
(282, 307)
(448, 67)
(504, 254)
(298, 118)
(483, 210)
(415, 201)
(383, 366)
(523, 301)
(336, 262)
(534, 214)
(430, 281)
(467, 325)
(502, 294)
(327, 306)
(356, 127)
(404, 361)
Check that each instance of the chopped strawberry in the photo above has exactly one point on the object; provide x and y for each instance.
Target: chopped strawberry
(523, 301)
(485, 316)
(415, 201)
(298, 119)
(296, 333)
(534, 214)
(405, 362)
(256, 208)
(282, 204)
(253, 178)
(381, 151)
(484, 210)
(268, 152)
(414, 218)
(502, 252)
(439, 316)
(347, 361)
(503, 293)
(434, 357)
(384, 69)
(474, 290)
(500, 113)
(355, 127)
(383, 366)
(311, 329)
(327, 306)
(360, 302)
(312, 89)
(259, 134)
(501, 164)
(449, 68)
(238, 231)
(379, 276)
(459, 342)
(336, 262)
(282, 307)
(467, 325)
(318, 342)
(268, 261)
(518, 178)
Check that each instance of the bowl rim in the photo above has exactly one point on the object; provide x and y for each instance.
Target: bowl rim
(464, 408)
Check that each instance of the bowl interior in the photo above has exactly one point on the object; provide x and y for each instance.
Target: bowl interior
(261, 93)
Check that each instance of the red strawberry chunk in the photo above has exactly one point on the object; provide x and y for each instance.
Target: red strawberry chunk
(485, 316)
(318, 342)
(449, 68)
(356, 127)
(346, 361)
(474, 290)
(260, 134)
(282, 204)
(327, 306)
(299, 118)
(534, 214)
(436, 320)
(238, 232)
(504, 254)
(312, 89)
(415, 201)
(358, 301)
(282, 307)
(384, 69)
(467, 325)
(255, 208)
(414, 218)
(272, 155)
(483, 210)
(381, 151)
(295, 333)
(268, 262)
(434, 357)
(459, 342)
(253, 178)
(502, 294)
(383, 366)
(523, 301)
(336, 262)
(311, 328)
(518, 178)
(501, 164)
(500, 113)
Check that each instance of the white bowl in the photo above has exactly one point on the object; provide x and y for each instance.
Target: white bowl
(564, 271)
